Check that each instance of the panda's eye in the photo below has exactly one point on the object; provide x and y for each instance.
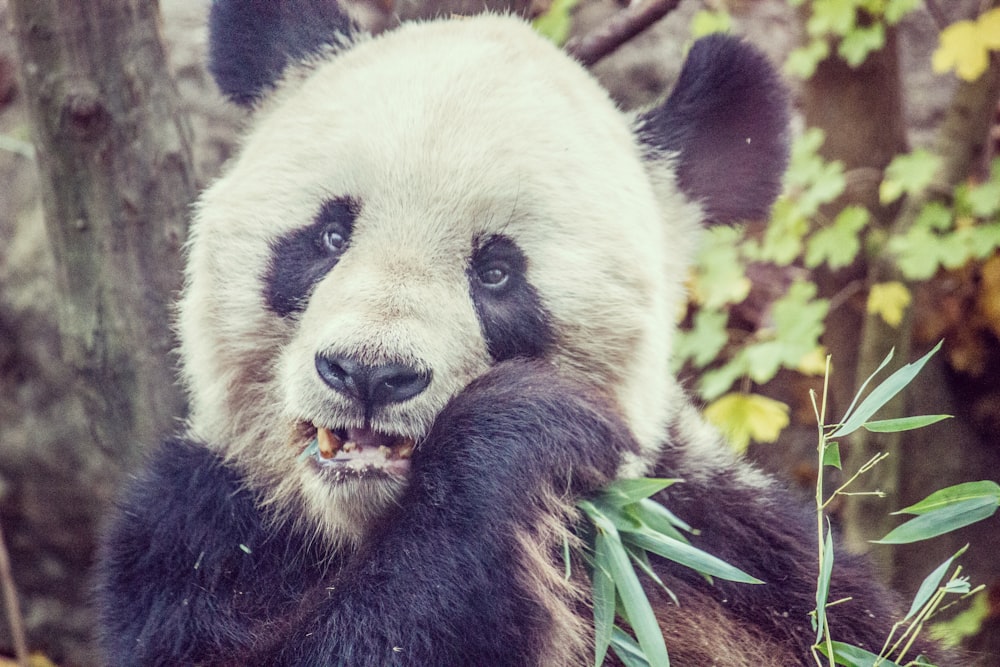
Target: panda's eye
(494, 275)
(334, 239)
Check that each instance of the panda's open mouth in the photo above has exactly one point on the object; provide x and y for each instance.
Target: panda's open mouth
(357, 452)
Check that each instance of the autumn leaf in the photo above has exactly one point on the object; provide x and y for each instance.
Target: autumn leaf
(745, 417)
(889, 301)
(813, 362)
(964, 46)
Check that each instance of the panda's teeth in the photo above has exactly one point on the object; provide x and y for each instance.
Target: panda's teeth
(329, 444)
(404, 449)
(349, 447)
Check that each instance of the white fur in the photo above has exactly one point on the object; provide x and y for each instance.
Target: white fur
(445, 131)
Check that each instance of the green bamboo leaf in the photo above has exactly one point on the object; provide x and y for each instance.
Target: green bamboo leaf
(903, 423)
(641, 558)
(831, 455)
(659, 519)
(619, 517)
(823, 583)
(689, 556)
(954, 494)
(940, 521)
(635, 603)
(930, 584)
(627, 649)
(882, 394)
(627, 491)
(852, 656)
(604, 599)
(857, 396)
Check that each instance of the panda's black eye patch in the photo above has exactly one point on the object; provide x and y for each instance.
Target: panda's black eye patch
(511, 315)
(301, 258)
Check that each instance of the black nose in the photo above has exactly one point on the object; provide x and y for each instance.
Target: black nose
(374, 386)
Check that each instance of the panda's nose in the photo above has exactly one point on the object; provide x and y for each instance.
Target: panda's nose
(373, 386)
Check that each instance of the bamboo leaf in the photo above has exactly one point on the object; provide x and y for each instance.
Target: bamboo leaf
(864, 385)
(689, 556)
(641, 558)
(823, 583)
(661, 520)
(636, 604)
(627, 491)
(930, 585)
(852, 656)
(882, 394)
(940, 521)
(627, 649)
(831, 455)
(903, 423)
(954, 494)
(604, 599)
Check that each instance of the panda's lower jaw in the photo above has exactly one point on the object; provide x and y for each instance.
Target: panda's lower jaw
(359, 453)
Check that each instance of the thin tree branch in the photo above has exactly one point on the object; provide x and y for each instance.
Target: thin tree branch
(622, 27)
(12, 606)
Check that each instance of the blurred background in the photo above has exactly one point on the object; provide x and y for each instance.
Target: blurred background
(887, 237)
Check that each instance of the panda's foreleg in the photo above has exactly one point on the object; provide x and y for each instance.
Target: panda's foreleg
(189, 571)
(449, 577)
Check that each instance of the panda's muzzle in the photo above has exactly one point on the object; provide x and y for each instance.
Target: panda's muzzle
(370, 385)
(361, 451)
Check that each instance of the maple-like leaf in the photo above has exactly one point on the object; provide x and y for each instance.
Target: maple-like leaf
(889, 300)
(964, 46)
(745, 417)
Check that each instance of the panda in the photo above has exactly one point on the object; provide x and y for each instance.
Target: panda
(443, 255)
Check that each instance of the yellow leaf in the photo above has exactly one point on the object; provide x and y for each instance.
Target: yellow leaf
(989, 28)
(889, 301)
(745, 417)
(960, 50)
(814, 362)
(964, 46)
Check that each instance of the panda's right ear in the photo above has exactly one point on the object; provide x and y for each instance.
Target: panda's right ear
(252, 42)
(723, 132)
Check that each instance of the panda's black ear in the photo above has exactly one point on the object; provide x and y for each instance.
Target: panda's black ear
(723, 130)
(251, 42)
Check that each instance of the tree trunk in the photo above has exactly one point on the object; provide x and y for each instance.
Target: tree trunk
(860, 110)
(116, 179)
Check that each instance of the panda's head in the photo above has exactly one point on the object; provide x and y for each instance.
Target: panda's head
(408, 210)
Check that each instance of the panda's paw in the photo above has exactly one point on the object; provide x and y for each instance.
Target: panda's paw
(525, 427)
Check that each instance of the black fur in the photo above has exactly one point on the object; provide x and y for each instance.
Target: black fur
(301, 258)
(511, 314)
(726, 120)
(435, 584)
(188, 571)
(253, 41)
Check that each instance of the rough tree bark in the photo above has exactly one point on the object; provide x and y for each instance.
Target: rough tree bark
(115, 171)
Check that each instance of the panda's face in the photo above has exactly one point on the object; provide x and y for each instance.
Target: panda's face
(402, 216)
